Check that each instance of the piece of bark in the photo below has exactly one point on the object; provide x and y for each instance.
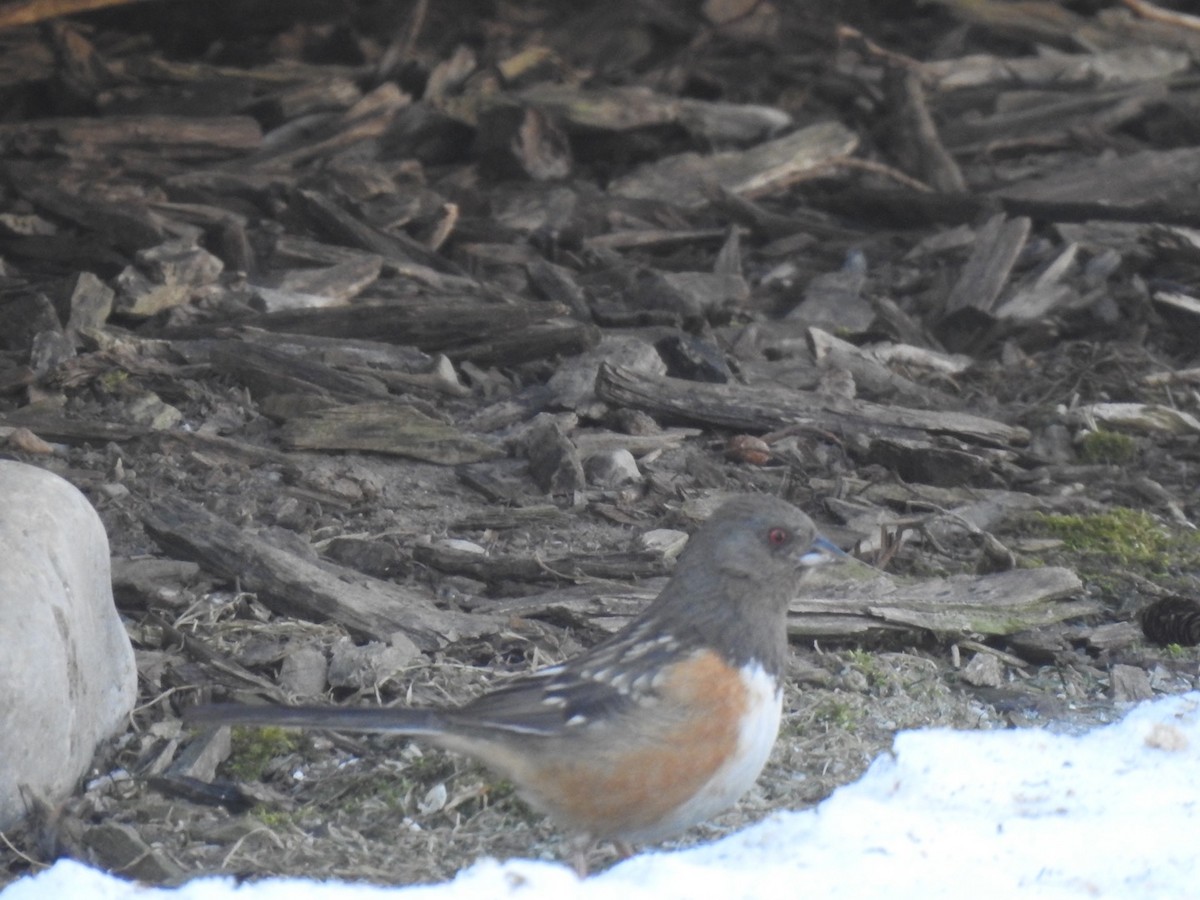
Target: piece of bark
(294, 585)
(557, 284)
(1148, 418)
(509, 517)
(165, 276)
(869, 366)
(291, 249)
(314, 94)
(30, 12)
(265, 370)
(369, 118)
(128, 226)
(1049, 118)
(437, 325)
(649, 238)
(554, 462)
(52, 425)
(1043, 23)
(1121, 65)
(1045, 293)
(515, 141)
(997, 246)
(343, 353)
(82, 72)
(910, 209)
(984, 670)
(618, 109)
(386, 427)
(340, 282)
(925, 463)
(769, 408)
(540, 340)
(327, 217)
(689, 180)
(118, 847)
(91, 303)
(917, 145)
(499, 569)
(1178, 302)
(319, 288)
(186, 137)
(1147, 177)
(998, 604)
(23, 316)
(834, 301)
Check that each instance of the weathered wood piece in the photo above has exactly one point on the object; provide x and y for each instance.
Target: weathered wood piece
(691, 180)
(1149, 176)
(295, 586)
(580, 567)
(266, 370)
(541, 340)
(986, 272)
(368, 118)
(999, 604)
(1146, 418)
(30, 12)
(336, 284)
(1123, 65)
(589, 110)
(340, 225)
(769, 408)
(918, 145)
(386, 427)
(178, 137)
(1051, 117)
(51, 425)
(449, 325)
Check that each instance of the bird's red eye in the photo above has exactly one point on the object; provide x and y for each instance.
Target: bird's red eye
(778, 536)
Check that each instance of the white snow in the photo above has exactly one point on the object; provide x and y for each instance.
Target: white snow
(1114, 812)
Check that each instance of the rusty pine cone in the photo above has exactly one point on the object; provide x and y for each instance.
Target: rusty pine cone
(1172, 620)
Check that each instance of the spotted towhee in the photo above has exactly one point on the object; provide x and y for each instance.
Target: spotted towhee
(664, 724)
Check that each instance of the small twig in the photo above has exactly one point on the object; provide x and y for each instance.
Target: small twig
(877, 168)
(157, 700)
(1007, 658)
(1166, 16)
(30, 12)
(27, 858)
(848, 33)
(263, 829)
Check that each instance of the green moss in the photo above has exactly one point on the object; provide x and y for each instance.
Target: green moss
(1107, 447)
(254, 748)
(868, 664)
(1128, 537)
(837, 714)
(114, 379)
(273, 818)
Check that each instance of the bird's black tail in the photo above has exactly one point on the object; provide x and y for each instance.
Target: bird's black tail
(332, 718)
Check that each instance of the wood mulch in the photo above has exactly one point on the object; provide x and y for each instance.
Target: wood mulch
(399, 345)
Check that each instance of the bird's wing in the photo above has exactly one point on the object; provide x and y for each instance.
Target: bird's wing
(599, 685)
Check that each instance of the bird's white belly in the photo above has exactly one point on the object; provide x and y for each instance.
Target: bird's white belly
(756, 738)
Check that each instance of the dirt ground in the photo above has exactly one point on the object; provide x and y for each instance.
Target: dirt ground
(1110, 494)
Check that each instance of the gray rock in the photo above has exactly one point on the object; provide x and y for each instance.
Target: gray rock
(612, 468)
(67, 674)
(303, 672)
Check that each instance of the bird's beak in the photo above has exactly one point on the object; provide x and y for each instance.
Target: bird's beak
(822, 551)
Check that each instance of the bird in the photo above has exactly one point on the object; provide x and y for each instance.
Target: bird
(659, 727)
